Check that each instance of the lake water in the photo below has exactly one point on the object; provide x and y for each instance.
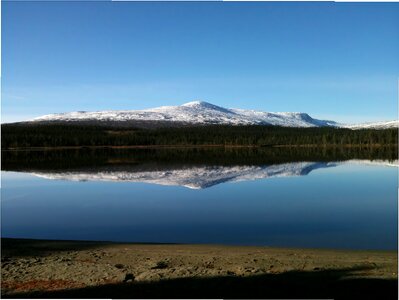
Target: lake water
(347, 204)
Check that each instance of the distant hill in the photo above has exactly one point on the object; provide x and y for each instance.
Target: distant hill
(198, 113)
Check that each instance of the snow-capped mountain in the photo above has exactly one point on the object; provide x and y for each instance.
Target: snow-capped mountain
(197, 112)
(200, 177)
(200, 112)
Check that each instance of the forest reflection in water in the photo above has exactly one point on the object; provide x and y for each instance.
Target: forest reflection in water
(339, 198)
(96, 157)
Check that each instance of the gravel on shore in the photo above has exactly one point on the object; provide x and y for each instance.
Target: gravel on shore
(36, 265)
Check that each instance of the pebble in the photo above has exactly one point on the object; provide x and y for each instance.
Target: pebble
(160, 265)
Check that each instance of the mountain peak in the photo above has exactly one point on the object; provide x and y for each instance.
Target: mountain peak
(198, 103)
(203, 105)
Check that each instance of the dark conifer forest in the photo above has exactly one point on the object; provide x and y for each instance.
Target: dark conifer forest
(72, 135)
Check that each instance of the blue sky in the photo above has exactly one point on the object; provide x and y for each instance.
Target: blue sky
(337, 61)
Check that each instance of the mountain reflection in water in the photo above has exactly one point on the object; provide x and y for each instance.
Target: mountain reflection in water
(329, 198)
(196, 177)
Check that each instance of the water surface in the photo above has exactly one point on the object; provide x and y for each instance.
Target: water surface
(324, 204)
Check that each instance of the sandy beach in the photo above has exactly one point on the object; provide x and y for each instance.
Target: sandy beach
(58, 269)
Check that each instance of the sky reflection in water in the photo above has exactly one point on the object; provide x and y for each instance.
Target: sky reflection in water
(328, 205)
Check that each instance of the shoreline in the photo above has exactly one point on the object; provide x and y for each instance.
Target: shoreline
(195, 146)
(114, 243)
(72, 242)
(44, 268)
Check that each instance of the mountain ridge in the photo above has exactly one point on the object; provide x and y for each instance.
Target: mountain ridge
(205, 113)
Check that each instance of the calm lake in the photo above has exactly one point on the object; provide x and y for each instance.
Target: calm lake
(225, 198)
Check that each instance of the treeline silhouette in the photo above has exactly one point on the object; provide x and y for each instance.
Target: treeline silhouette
(169, 158)
(61, 135)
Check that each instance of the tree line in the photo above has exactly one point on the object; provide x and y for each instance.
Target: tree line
(62, 135)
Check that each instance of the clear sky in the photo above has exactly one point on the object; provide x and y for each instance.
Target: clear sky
(336, 61)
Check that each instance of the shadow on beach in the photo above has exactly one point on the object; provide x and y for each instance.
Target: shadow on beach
(355, 281)
(322, 284)
(32, 247)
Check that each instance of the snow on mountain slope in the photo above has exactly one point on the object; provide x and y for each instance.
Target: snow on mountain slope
(204, 176)
(197, 112)
(200, 112)
(376, 125)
